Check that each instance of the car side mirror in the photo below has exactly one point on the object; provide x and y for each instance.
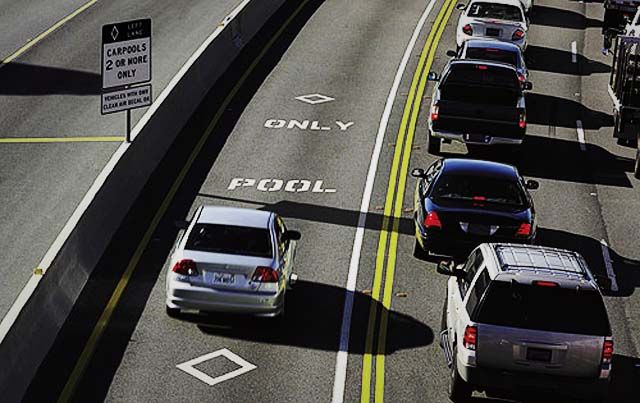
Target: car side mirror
(417, 173)
(433, 76)
(461, 6)
(292, 236)
(527, 86)
(445, 267)
(451, 53)
(532, 185)
(181, 224)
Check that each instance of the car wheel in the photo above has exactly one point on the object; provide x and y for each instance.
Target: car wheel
(433, 144)
(636, 167)
(459, 390)
(419, 252)
(173, 312)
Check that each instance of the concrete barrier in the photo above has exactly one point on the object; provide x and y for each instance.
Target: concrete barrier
(48, 298)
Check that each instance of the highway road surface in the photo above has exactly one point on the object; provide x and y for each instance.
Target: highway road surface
(357, 131)
(50, 91)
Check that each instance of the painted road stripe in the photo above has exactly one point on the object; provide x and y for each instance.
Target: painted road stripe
(87, 139)
(105, 317)
(607, 263)
(411, 111)
(574, 52)
(43, 35)
(580, 131)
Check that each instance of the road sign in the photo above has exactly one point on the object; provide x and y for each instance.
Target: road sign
(128, 98)
(126, 53)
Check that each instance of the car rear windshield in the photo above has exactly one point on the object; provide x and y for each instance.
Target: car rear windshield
(479, 190)
(230, 239)
(471, 82)
(495, 11)
(498, 55)
(553, 309)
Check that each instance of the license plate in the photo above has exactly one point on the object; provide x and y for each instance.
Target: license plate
(222, 278)
(479, 229)
(492, 32)
(474, 138)
(538, 354)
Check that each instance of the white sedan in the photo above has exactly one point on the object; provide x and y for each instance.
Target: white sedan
(232, 260)
(503, 20)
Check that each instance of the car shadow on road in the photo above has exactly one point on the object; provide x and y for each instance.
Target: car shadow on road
(557, 61)
(561, 112)
(313, 319)
(30, 79)
(556, 17)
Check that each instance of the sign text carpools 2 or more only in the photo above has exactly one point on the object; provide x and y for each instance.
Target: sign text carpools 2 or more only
(126, 53)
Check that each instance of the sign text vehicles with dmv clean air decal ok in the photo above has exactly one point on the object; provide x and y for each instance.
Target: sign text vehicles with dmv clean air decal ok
(126, 53)
(128, 98)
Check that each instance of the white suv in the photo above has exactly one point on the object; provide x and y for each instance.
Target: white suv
(522, 318)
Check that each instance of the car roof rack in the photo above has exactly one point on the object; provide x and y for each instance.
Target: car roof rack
(541, 259)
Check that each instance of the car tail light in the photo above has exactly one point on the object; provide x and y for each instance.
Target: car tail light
(467, 30)
(522, 120)
(432, 220)
(607, 351)
(265, 275)
(435, 110)
(481, 67)
(470, 337)
(521, 78)
(186, 267)
(541, 283)
(517, 35)
(524, 230)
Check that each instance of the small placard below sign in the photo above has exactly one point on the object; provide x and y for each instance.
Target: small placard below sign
(129, 98)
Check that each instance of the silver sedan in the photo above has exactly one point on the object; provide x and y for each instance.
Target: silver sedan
(232, 260)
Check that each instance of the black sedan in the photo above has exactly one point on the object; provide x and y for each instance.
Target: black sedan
(460, 203)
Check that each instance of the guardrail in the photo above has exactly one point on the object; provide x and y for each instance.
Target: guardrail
(31, 326)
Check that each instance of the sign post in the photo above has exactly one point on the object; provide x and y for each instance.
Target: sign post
(126, 62)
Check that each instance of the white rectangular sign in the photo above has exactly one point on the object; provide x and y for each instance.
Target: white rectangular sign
(130, 98)
(126, 53)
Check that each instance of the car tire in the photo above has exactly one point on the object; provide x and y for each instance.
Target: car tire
(459, 390)
(173, 312)
(419, 252)
(636, 166)
(434, 143)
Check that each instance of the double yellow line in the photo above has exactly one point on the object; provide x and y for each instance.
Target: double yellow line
(397, 180)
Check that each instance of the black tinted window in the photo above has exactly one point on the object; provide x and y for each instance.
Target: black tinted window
(493, 10)
(476, 74)
(230, 239)
(552, 309)
(479, 190)
(478, 290)
(497, 55)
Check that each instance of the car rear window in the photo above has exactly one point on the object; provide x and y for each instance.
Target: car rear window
(471, 82)
(230, 239)
(553, 309)
(478, 190)
(495, 11)
(498, 55)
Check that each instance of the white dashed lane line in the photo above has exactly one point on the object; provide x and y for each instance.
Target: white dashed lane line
(574, 52)
(607, 263)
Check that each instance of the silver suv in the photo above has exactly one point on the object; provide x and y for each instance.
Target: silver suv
(525, 318)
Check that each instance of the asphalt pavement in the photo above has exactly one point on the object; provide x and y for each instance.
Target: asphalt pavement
(347, 54)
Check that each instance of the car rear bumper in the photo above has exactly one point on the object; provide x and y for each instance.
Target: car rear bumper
(488, 139)
(494, 380)
(186, 296)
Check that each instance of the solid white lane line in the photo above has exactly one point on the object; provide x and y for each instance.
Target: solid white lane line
(607, 263)
(580, 131)
(54, 249)
(343, 352)
(574, 52)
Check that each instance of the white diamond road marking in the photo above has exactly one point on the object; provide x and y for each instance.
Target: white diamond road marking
(189, 367)
(114, 33)
(315, 99)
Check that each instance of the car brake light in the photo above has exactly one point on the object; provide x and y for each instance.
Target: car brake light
(432, 220)
(186, 267)
(435, 110)
(541, 283)
(521, 78)
(524, 229)
(470, 337)
(481, 67)
(517, 35)
(265, 275)
(479, 198)
(467, 29)
(607, 351)
(522, 120)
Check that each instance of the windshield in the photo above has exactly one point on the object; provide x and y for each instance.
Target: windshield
(495, 11)
(231, 240)
(497, 55)
(553, 309)
(478, 190)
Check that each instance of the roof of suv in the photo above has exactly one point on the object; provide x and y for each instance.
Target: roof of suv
(532, 262)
